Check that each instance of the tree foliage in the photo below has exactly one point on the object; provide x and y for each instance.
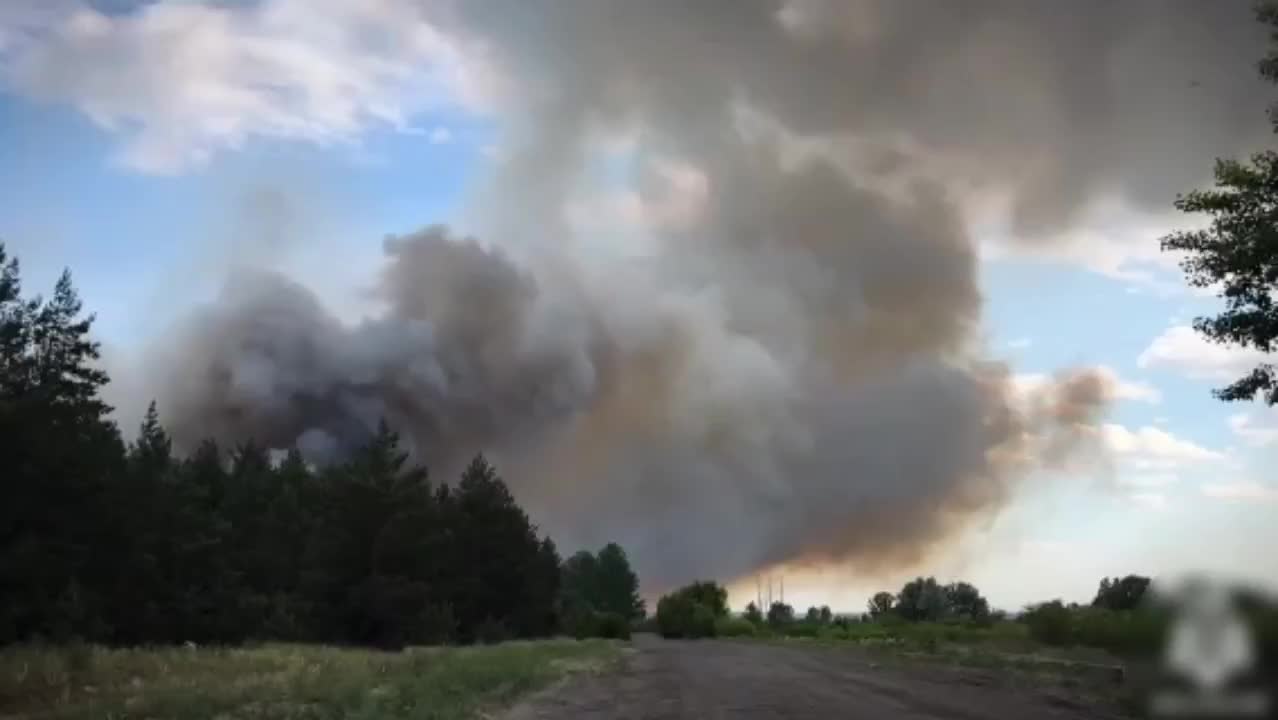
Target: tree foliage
(922, 599)
(1121, 593)
(135, 544)
(599, 592)
(692, 611)
(780, 614)
(926, 600)
(1238, 251)
(881, 604)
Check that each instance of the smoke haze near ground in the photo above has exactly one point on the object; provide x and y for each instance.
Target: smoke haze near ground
(791, 371)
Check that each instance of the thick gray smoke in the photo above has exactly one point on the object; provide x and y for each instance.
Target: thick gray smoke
(791, 372)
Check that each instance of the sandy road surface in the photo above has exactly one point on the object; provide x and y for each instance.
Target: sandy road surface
(705, 680)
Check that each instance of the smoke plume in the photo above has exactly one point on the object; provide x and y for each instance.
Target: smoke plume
(790, 369)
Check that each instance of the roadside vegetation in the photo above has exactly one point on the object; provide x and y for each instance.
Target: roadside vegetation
(81, 682)
(1125, 624)
(1108, 651)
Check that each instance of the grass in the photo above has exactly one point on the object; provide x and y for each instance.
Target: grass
(278, 682)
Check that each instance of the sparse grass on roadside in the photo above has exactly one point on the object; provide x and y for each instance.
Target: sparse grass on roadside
(297, 682)
(1002, 653)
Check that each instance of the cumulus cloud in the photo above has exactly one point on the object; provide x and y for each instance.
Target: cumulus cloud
(1149, 500)
(182, 81)
(1241, 491)
(1146, 461)
(1257, 428)
(1150, 448)
(1182, 349)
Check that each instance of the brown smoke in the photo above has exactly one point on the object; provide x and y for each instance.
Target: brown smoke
(794, 376)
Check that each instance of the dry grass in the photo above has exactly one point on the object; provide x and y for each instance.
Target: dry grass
(281, 681)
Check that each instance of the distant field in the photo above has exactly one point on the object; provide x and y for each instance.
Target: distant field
(282, 681)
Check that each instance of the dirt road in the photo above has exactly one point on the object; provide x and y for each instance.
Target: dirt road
(706, 680)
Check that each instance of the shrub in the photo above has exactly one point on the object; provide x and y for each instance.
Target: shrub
(835, 632)
(734, 627)
(1134, 632)
(1050, 623)
(612, 626)
(803, 629)
(679, 616)
(703, 619)
(691, 611)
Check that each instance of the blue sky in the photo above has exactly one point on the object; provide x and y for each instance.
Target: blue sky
(146, 212)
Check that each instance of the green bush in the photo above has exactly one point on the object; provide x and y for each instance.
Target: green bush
(612, 626)
(703, 619)
(834, 632)
(679, 616)
(1127, 632)
(1050, 623)
(803, 629)
(734, 627)
(692, 611)
(582, 623)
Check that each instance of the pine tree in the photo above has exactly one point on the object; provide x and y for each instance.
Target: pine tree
(132, 545)
(495, 538)
(60, 457)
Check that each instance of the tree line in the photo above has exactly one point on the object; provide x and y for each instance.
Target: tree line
(128, 543)
(701, 609)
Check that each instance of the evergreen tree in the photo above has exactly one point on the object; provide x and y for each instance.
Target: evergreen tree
(138, 545)
(494, 538)
(60, 456)
(618, 585)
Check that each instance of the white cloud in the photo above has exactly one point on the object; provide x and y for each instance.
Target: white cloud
(182, 81)
(1241, 490)
(440, 136)
(1149, 480)
(1256, 429)
(1108, 238)
(1184, 350)
(1134, 389)
(1149, 500)
(1147, 461)
(1151, 449)
(1020, 343)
